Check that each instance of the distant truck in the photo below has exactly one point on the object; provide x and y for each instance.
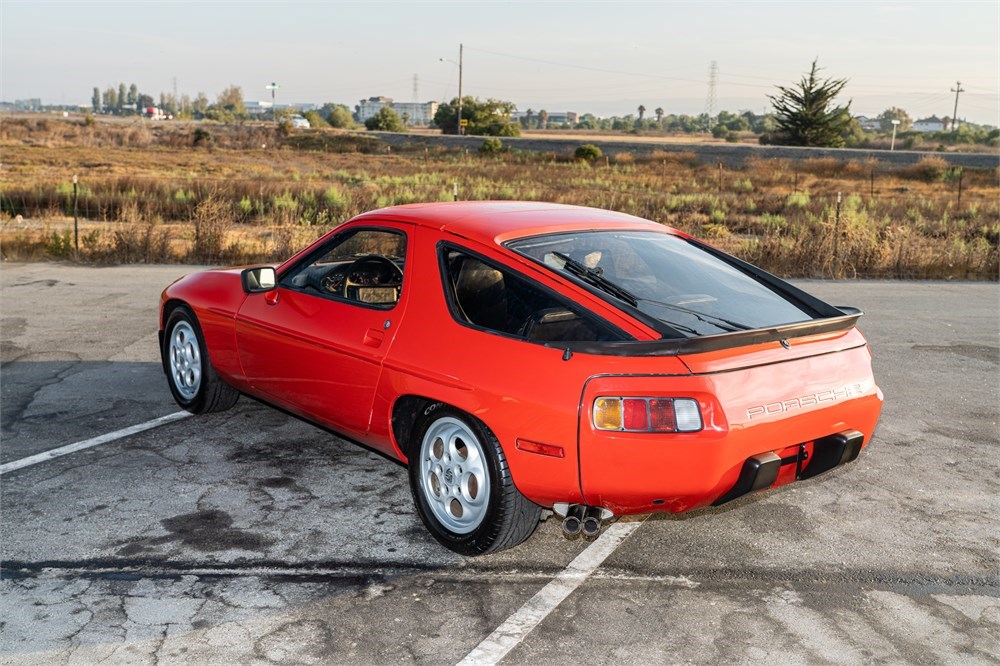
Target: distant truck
(155, 113)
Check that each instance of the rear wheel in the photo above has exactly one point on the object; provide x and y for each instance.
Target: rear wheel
(193, 381)
(462, 486)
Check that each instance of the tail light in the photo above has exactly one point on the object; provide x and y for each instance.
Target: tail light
(647, 414)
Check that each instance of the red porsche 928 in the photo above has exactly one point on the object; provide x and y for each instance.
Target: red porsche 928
(523, 356)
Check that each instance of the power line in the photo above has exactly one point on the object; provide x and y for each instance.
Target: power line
(585, 68)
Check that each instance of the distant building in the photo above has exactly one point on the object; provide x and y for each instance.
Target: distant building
(256, 108)
(33, 104)
(932, 124)
(417, 113)
(869, 124)
(554, 117)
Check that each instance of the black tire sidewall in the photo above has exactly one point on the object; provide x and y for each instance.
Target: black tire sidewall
(197, 404)
(480, 539)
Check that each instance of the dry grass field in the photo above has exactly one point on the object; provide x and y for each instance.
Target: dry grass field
(205, 193)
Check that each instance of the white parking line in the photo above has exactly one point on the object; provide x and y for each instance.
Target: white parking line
(515, 628)
(88, 443)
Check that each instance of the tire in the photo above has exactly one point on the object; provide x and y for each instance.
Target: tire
(462, 486)
(193, 381)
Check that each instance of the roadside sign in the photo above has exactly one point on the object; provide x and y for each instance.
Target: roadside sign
(464, 122)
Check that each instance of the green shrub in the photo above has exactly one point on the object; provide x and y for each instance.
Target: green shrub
(60, 246)
(201, 137)
(588, 153)
(493, 145)
(797, 200)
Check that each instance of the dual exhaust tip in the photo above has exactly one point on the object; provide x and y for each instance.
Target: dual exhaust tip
(582, 519)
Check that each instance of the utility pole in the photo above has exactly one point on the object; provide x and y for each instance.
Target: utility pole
(76, 220)
(954, 114)
(461, 130)
(459, 64)
(272, 87)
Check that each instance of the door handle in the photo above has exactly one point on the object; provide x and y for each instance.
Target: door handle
(271, 297)
(374, 337)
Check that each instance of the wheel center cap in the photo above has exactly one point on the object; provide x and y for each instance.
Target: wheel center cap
(449, 476)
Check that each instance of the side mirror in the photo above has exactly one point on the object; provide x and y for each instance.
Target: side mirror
(258, 279)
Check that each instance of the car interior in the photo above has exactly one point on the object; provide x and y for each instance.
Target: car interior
(500, 301)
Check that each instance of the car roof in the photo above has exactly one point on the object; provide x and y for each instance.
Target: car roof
(499, 221)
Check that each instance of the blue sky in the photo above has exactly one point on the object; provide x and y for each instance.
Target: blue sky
(599, 57)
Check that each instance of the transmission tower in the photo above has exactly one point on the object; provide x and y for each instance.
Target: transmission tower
(713, 75)
(416, 88)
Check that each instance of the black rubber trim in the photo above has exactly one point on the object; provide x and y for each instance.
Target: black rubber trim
(761, 470)
(833, 451)
(758, 472)
(707, 343)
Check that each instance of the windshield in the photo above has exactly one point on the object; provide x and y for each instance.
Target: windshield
(666, 278)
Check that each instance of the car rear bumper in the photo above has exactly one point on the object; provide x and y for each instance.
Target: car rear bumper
(761, 471)
(764, 426)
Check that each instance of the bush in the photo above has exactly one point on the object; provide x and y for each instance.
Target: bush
(588, 153)
(315, 120)
(491, 146)
(201, 137)
(929, 169)
(386, 120)
(340, 117)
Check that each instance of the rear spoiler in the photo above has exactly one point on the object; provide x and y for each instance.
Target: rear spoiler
(707, 343)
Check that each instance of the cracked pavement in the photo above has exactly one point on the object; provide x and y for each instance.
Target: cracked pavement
(253, 537)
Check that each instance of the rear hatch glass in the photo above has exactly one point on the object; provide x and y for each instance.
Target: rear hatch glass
(679, 287)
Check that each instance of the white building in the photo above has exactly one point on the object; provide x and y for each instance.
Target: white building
(932, 124)
(869, 124)
(417, 113)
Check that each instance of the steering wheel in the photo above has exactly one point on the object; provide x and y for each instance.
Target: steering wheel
(365, 264)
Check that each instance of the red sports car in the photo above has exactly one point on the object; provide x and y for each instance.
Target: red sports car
(526, 356)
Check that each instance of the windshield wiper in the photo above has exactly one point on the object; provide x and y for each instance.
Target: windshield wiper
(726, 325)
(594, 278)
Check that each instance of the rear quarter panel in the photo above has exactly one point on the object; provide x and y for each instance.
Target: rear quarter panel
(518, 389)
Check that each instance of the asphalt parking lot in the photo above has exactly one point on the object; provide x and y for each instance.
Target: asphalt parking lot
(252, 537)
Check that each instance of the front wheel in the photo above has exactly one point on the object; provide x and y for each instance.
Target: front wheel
(462, 485)
(193, 381)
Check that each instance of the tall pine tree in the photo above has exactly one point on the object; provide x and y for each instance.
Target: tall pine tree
(806, 115)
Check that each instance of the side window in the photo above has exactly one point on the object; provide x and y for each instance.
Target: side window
(364, 266)
(495, 298)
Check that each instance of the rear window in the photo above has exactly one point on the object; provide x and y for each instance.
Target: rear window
(666, 278)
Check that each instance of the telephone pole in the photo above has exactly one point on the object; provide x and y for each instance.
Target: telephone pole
(461, 129)
(273, 87)
(459, 65)
(954, 115)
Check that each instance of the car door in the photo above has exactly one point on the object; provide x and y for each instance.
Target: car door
(316, 343)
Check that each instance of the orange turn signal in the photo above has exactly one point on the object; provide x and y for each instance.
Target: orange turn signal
(608, 414)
